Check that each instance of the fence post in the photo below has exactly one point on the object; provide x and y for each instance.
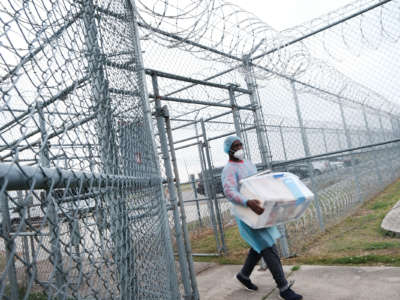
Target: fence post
(122, 250)
(387, 147)
(25, 251)
(371, 141)
(196, 198)
(143, 94)
(257, 112)
(381, 127)
(235, 112)
(56, 256)
(339, 139)
(181, 203)
(324, 138)
(246, 143)
(354, 170)
(307, 154)
(76, 237)
(32, 244)
(360, 133)
(282, 228)
(283, 142)
(9, 243)
(182, 255)
(393, 127)
(207, 190)
(211, 185)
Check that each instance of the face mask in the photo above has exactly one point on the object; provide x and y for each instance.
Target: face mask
(239, 154)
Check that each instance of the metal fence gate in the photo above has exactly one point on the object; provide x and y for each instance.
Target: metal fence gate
(202, 206)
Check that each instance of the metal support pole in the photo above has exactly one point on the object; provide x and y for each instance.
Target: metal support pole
(246, 144)
(393, 136)
(182, 255)
(339, 139)
(53, 223)
(371, 141)
(307, 153)
(283, 143)
(143, 94)
(33, 252)
(211, 185)
(283, 242)
(186, 236)
(388, 156)
(75, 235)
(282, 228)
(393, 128)
(324, 138)
(354, 169)
(9, 243)
(25, 251)
(235, 112)
(207, 189)
(108, 154)
(196, 197)
(257, 113)
(237, 122)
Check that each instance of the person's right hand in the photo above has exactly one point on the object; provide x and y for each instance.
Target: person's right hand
(255, 205)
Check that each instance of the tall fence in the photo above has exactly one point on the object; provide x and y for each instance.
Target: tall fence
(113, 115)
(82, 209)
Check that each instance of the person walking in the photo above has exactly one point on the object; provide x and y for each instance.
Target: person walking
(261, 241)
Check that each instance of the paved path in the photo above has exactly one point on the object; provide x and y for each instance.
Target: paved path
(313, 282)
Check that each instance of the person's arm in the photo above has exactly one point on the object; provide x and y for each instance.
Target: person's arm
(231, 187)
(231, 191)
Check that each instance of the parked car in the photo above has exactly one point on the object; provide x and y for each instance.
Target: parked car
(300, 169)
(320, 166)
(216, 182)
(342, 161)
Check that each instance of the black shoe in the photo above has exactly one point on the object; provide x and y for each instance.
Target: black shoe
(289, 294)
(246, 282)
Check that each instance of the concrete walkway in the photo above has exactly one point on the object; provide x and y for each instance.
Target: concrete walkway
(217, 282)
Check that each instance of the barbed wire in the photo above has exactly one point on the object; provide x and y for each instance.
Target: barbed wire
(235, 32)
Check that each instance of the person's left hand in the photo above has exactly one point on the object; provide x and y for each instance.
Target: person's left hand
(255, 205)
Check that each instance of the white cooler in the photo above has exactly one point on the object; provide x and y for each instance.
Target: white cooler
(283, 196)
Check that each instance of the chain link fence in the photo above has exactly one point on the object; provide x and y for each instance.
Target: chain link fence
(82, 210)
(113, 115)
(308, 107)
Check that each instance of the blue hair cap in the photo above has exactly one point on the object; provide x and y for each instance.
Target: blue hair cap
(229, 141)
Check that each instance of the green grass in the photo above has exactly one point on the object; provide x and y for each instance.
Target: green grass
(186, 187)
(237, 247)
(371, 259)
(381, 245)
(295, 268)
(22, 292)
(379, 205)
(357, 240)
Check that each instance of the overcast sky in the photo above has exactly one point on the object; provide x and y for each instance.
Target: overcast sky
(284, 14)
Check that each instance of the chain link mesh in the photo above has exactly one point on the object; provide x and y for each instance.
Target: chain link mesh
(81, 210)
(88, 203)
